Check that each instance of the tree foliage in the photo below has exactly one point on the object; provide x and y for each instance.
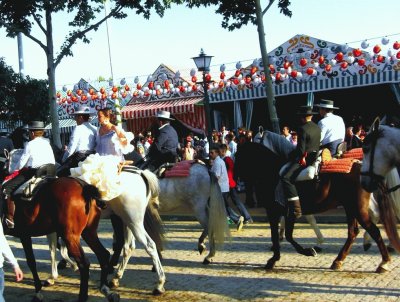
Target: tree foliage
(237, 13)
(8, 81)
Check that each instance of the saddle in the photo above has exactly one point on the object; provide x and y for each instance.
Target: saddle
(179, 169)
(309, 172)
(28, 189)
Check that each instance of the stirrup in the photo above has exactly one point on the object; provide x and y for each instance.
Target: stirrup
(10, 224)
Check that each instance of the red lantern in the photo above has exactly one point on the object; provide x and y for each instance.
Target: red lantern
(79, 92)
(127, 88)
(361, 62)
(146, 93)
(208, 77)
(93, 96)
(376, 49)
(138, 86)
(328, 68)
(221, 84)
(124, 94)
(114, 96)
(58, 95)
(222, 75)
(396, 45)
(380, 58)
(114, 89)
(103, 96)
(84, 97)
(158, 92)
(344, 65)
(357, 52)
(194, 79)
(237, 73)
(398, 55)
(278, 76)
(236, 81)
(286, 65)
(339, 57)
(263, 77)
(309, 71)
(91, 91)
(293, 73)
(74, 98)
(102, 90)
(253, 70)
(303, 62)
(248, 80)
(194, 87)
(181, 89)
(321, 60)
(166, 84)
(69, 93)
(151, 85)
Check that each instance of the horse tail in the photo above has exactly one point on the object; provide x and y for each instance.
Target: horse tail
(393, 180)
(387, 215)
(90, 192)
(217, 222)
(152, 220)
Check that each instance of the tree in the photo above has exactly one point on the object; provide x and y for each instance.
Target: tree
(8, 81)
(237, 13)
(20, 16)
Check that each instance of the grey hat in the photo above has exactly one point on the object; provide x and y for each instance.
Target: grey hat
(328, 104)
(164, 115)
(82, 110)
(36, 125)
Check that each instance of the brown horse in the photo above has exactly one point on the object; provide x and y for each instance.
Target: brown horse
(261, 164)
(64, 206)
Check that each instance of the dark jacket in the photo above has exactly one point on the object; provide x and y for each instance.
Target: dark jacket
(309, 137)
(166, 142)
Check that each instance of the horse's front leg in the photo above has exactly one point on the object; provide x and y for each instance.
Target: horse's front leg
(289, 227)
(52, 240)
(30, 259)
(274, 218)
(352, 232)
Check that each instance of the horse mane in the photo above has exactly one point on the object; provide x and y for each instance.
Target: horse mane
(277, 144)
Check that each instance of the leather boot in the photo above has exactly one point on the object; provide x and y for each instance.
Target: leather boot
(101, 204)
(10, 214)
(295, 207)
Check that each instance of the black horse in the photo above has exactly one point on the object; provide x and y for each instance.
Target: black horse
(261, 165)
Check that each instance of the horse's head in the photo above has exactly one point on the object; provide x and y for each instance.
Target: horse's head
(380, 153)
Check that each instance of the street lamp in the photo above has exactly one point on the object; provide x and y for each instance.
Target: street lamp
(203, 64)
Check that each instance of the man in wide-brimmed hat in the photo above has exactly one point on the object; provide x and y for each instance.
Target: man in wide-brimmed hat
(37, 152)
(165, 144)
(82, 143)
(309, 136)
(332, 126)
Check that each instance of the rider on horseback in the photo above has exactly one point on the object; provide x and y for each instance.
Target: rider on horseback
(164, 148)
(37, 152)
(304, 155)
(82, 144)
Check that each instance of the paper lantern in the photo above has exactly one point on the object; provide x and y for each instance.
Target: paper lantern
(380, 58)
(376, 49)
(344, 65)
(328, 68)
(357, 52)
(361, 62)
(127, 88)
(221, 84)
(303, 62)
(136, 80)
(398, 55)
(102, 90)
(166, 84)
(208, 77)
(138, 86)
(396, 45)
(192, 72)
(278, 76)
(310, 71)
(222, 68)
(339, 57)
(114, 89)
(385, 40)
(321, 60)
(253, 70)
(286, 65)
(237, 73)
(194, 79)
(364, 44)
(293, 74)
(222, 75)
(238, 65)
(151, 85)
(65, 87)
(58, 95)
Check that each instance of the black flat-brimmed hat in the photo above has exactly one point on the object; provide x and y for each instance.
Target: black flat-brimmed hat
(36, 125)
(328, 104)
(306, 110)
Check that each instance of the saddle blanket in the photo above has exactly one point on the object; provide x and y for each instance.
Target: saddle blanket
(341, 165)
(180, 169)
(356, 153)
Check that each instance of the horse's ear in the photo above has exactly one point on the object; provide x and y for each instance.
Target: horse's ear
(375, 124)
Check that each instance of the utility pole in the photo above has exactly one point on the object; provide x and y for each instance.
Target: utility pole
(20, 56)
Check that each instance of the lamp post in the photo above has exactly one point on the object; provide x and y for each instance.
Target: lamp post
(203, 64)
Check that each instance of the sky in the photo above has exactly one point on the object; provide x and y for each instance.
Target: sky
(139, 46)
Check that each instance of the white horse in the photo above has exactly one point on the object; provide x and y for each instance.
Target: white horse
(138, 198)
(381, 149)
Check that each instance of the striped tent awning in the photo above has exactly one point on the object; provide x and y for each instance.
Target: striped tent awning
(66, 125)
(150, 108)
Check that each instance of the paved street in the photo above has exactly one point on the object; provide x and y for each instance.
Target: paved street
(237, 273)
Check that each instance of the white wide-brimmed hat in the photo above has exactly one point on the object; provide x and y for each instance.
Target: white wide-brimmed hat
(164, 115)
(328, 104)
(83, 110)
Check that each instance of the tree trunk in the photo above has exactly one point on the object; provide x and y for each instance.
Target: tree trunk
(51, 73)
(273, 117)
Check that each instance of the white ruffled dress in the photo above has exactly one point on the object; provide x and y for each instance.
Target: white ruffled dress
(101, 169)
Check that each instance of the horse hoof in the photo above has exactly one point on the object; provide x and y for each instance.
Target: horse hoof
(381, 270)
(114, 283)
(48, 282)
(310, 252)
(113, 297)
(201, 248)
(367, 246)
(153, 269)
(37, 298)
(317, 249)
(63, 264)
(336, 265)
(270, 265)
(206, 261)
(158, 291)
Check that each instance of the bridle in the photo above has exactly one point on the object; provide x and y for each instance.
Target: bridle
(370, 173)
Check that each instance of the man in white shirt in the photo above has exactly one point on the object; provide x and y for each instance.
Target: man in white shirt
(332, 126)
(37, 152)
(82, 143)
(220, 171)
(232, 145)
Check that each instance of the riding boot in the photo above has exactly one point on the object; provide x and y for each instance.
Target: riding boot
(101, 204)
(295, 207)
(10, 214)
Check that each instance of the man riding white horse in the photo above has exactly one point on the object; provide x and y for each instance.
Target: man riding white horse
(164, 148)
